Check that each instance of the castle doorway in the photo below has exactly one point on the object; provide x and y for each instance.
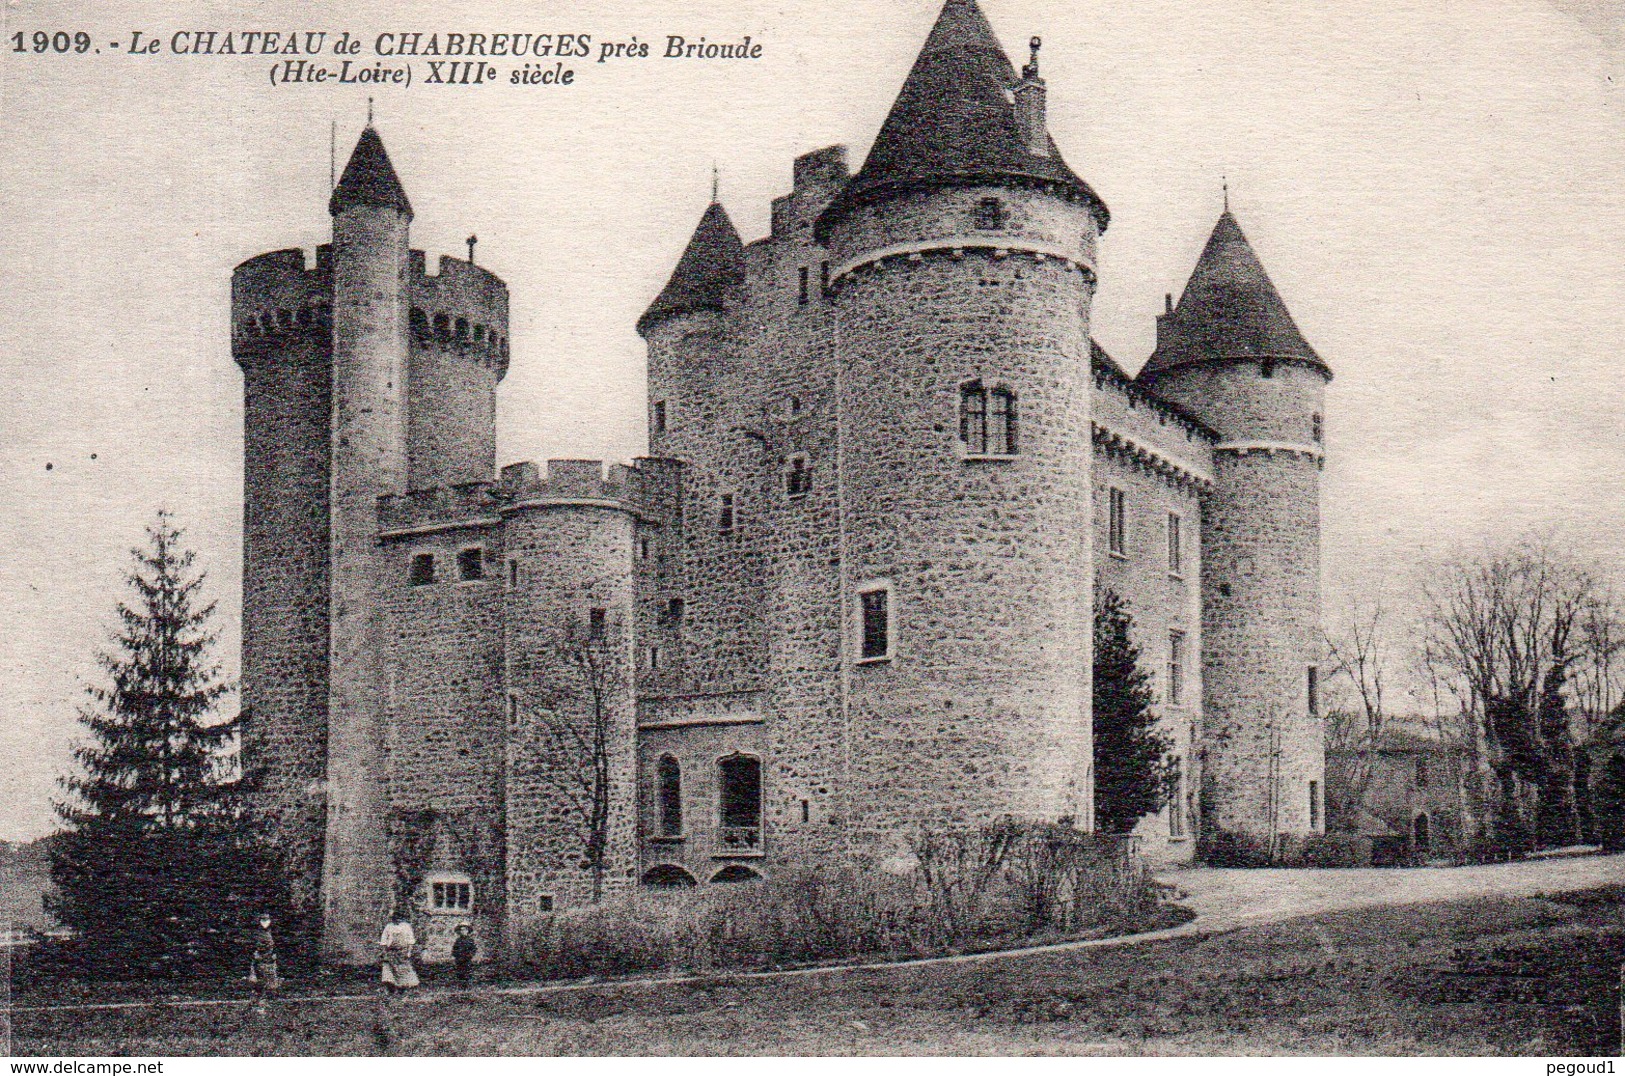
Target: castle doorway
(1419, 832)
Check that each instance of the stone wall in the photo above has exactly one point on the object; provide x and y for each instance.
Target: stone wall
(445, 724)
(983, 708)
(281, 337)
(568, 559)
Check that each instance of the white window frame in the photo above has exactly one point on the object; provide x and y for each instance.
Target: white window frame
(876, 586)
(437, 888)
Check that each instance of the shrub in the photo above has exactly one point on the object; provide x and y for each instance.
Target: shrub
(992, 885)
(1225, 848)
(1338, 850)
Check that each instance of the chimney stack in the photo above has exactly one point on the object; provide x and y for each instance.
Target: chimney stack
(1030, 95)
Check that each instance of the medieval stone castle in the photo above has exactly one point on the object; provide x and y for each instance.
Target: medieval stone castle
(850, 589)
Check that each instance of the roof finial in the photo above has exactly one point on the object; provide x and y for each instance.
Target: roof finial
(1224, 183)
(716, 180)
(471, 241)
(369, 112)
(1031, 70)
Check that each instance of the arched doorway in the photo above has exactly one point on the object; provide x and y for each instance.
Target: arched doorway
(1420, 835)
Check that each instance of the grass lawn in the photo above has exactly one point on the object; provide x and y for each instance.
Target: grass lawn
(1361, 982)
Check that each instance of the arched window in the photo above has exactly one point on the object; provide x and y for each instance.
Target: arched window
(973, 417)
(669, 790)
(739, 802)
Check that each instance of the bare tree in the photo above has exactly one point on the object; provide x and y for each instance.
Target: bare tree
(573, 721)
(1357, 679)
(1506, 632)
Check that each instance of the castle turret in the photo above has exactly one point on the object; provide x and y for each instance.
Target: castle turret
(1231, 354)
(371, 304)
(281, 336)
(963, 257)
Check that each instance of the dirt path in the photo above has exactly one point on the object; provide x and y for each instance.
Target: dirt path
(1225, 899)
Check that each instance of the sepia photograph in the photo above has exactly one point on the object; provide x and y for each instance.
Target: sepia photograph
(925, 528)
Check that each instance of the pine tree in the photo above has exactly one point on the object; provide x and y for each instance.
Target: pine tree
(159, 868)
(1132, 770)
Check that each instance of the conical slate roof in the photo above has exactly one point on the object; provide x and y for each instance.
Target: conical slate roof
(713, 264)
(369, 179)
(1230, 310)
(954, 123)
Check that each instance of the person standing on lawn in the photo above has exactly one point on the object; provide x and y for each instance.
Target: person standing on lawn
(463, 951)
(397, 943)
(262, 971)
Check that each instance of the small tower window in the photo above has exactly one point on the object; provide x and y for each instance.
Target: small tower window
(874, 615)
(823, 278)
(1176, 667)
(675, 608)
(1266, 368)
(657, 417)
(1313, 691)
(669, 784)
(1117, 522)
(651, 658)
(513, 572)
(1001, 433)
(1317, 428)
(597, 624)
(798, 480)
(1314, 805)
(471, 564)
(725, 514)
(643, 549)
(1176, 552)
(1176, 798)
(422, 570)
(973, 417)
(1421, 771)
(801, 296)
(989, 213)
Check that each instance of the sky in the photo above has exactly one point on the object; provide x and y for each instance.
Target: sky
(1437, 189)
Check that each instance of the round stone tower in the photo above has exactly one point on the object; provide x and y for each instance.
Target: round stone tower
(963, 259)
(1231, 354)
(371, 297)
(281, 334)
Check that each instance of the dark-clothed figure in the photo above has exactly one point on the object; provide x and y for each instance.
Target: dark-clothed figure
(463, 952)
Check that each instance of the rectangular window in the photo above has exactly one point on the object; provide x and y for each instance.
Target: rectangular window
(1001, 429)
(1421, 772)
(422, 572)
(1176, 553)
(651, 658)
(798, 480)
(823, 278)
(1117, 523)
(973, 418)
(451, 896)
(1313, 689)
(725, 517)
(802, 296)
(513, 572)
(1176, 666)
(1176, 798)
(544, 903)
(674, 611)
(471, 564)
(597, 621)
(874, 606)
(1318, 429)
(806, 812)
(1314, 805)
(658, 416)
(643, 549)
